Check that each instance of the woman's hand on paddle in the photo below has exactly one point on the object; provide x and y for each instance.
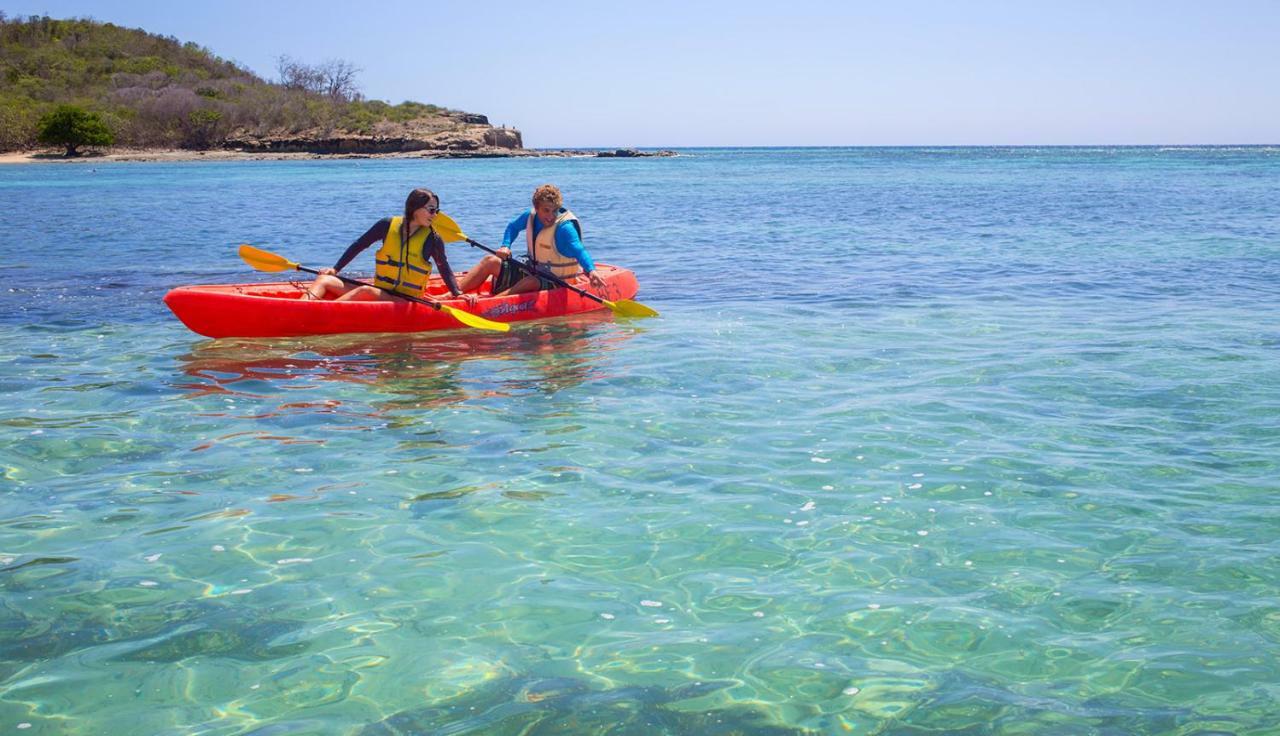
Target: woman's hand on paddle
(504, 253)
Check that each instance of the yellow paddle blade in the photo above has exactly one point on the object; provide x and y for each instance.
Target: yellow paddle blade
(447, 228)
(628, 308)
(265, 260)
(475, 320)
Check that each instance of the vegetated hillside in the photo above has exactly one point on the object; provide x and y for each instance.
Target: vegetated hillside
(157, 92)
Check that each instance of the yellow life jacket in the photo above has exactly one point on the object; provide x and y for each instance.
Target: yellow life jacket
(403, 267)
(543, 249)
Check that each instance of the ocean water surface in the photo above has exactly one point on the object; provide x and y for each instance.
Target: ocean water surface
(953, 440)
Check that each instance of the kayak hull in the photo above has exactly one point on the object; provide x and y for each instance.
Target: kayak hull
(279, 309)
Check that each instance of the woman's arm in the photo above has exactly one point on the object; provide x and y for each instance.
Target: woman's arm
(435, 247)
(375, 234)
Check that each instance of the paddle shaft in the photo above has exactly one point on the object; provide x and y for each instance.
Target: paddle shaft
(353, 282)
(534, 271)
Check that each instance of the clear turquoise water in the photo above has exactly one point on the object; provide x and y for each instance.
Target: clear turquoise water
(925, 441)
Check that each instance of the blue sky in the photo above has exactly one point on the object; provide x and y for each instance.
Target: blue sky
(800, 72)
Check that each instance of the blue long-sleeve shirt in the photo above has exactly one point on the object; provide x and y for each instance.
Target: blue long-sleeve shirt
(568, 244)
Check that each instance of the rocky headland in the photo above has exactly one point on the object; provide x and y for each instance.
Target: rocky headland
(82, 90)
(458, 135)
(453, 135)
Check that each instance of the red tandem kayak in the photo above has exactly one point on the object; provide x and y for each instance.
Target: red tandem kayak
(279, 309)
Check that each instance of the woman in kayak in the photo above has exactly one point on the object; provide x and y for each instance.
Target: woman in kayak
(403, 262)
(553, 236)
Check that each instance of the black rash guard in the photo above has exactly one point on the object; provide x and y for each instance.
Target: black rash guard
(433, 249)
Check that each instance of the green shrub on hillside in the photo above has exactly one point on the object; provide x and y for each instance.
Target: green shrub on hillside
(17, 124)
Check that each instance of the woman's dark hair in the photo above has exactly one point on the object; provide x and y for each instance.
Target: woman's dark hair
(416, 200)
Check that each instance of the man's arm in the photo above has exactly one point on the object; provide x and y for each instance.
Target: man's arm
(515, 227)
(570, 246)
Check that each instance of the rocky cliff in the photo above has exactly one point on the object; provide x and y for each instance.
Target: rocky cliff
(454, 132)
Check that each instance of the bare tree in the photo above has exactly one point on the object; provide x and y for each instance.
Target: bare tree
(335, 78)
(295, 74)
(339, 80)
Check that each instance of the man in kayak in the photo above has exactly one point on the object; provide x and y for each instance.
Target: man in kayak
(403, 262)
(554, 240)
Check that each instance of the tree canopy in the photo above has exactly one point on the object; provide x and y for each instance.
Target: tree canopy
(73, 127)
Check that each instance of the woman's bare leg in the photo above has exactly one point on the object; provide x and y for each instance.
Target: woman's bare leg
(365, 294)
(325, 285)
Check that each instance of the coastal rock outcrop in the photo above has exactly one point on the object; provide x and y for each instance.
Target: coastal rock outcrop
(632, 153)
(503, 138)
(476, 138)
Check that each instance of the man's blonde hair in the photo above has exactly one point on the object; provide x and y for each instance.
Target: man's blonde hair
(548, 193)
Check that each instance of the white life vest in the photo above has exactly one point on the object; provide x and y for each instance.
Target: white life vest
(542, 250)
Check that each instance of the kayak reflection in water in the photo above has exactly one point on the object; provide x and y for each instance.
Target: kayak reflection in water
(553, 238)
(403, 263)
(419, 370)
